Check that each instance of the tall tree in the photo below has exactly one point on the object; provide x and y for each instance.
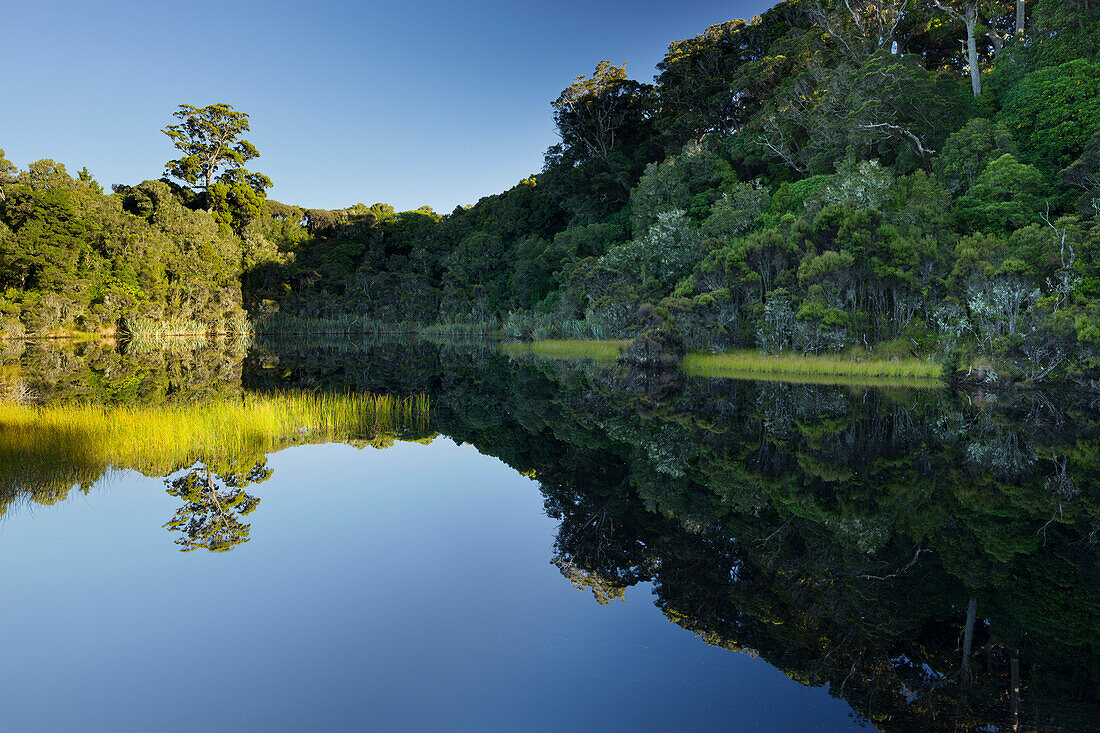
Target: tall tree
(966, 12)
(210, 517)
(598, 115)
(8, 173)
(210, 139)
(861, 27)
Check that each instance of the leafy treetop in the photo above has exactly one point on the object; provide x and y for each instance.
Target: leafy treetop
(209, 138)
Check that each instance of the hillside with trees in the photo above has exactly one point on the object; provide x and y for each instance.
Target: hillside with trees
(839, 175)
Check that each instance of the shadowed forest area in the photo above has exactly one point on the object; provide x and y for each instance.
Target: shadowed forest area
(827, 177)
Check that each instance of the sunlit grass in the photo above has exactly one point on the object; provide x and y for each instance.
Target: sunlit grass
(793, 367)
(47, 449)
(568, 349)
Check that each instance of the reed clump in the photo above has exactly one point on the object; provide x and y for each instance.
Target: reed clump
(528, 326)
(149, 335)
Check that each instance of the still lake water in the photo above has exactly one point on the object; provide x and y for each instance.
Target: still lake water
(562, 547)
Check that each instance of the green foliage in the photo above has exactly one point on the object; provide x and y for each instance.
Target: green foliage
(737, 212)
(665, 253)
(1065, 30)
(792, 181)
(1084, 177)
(969, 150)
(74, 259)
(673, 184)
(209, 138)
(1007, 195)
(1054, 111)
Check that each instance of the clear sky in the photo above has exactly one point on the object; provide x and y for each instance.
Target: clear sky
(435, 102)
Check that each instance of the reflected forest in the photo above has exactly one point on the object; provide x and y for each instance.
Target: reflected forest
(930, 556)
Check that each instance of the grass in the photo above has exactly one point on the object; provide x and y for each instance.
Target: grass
(793, 367)
(45, 450)
(567, 349)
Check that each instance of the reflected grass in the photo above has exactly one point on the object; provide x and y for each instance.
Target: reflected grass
(753, 364)
(567, 349)
(46, 450)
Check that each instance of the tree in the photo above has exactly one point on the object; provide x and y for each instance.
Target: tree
(210, 517)
(1053, 112)
(969, 150)
(672, 184)
(1006, 196)
(1084, 174)
(999, 23)
(602, 118)
(966, 12)
(8, 173)
(209, 138)
(861, 27)
(592, 110)
(888, 107)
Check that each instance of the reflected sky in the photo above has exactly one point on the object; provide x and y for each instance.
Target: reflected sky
(399, 589)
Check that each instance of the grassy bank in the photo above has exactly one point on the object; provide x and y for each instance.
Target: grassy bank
(567, 349)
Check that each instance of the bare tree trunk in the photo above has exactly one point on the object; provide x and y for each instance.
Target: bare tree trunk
(1015, 690)
(969, 18)
(968, 639)
(972, 50)
(1021, 17)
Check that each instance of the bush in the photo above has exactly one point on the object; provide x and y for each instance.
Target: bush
(660, 345)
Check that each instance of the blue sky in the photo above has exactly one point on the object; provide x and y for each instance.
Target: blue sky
(411, 103)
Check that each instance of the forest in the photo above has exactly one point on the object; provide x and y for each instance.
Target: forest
(834, 176)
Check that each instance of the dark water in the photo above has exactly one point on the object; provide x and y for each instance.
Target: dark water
(568, 547)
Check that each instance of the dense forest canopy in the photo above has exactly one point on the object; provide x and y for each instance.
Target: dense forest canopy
(832, 174)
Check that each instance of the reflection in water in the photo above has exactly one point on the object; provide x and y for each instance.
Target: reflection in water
(210, 517)
(931, 557)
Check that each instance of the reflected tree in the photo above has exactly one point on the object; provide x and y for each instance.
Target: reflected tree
(214, 504)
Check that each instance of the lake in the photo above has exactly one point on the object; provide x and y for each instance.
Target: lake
(418, 535)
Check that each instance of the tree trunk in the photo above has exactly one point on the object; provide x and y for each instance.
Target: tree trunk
(968, 639)
(972, 49)
(969, 18)
(1021, 17)
(1014, 692)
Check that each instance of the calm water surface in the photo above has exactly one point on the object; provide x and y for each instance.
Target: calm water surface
(406, 589)
(561, 547)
